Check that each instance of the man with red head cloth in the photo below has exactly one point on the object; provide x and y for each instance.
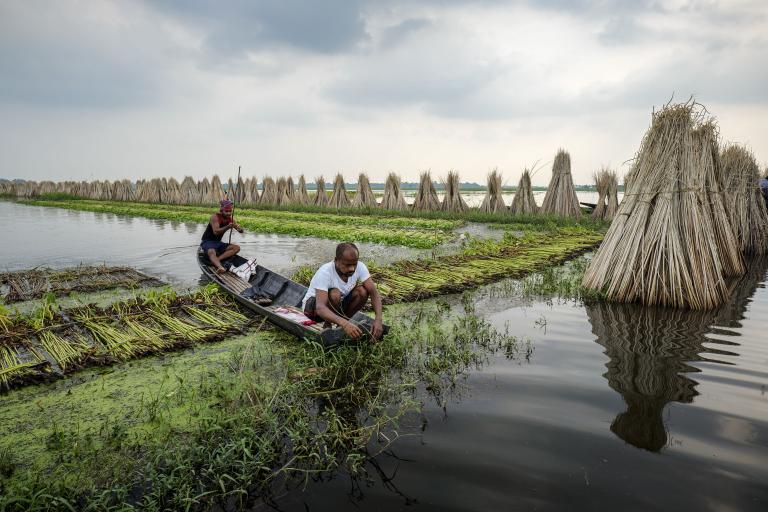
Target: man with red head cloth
(219, 224)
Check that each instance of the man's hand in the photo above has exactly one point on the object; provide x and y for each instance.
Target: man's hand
(352, 330)
(378, 329)
(237, 227)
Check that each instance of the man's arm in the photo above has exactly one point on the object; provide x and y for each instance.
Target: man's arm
(220, 230)
(324, 311)
(373, 293)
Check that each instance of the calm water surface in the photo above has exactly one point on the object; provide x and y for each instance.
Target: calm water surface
(619, 407)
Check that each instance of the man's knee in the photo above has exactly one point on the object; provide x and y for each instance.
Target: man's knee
(361, 293)
(334, 296)
(211, 253)
(235, 248)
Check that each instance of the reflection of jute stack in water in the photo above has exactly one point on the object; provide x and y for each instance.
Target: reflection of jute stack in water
(268, 191)
(493, 201)
(746, 207)
(668, 245)
(393, 197)
(560, 198)
(321, 198)
(301, 191)
(649, 351)
(452, 201)
(364, 197)
(426, 196)
(282, 191)
(524, 201)
(339, 197)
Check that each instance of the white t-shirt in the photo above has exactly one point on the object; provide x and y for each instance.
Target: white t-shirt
(326, 278)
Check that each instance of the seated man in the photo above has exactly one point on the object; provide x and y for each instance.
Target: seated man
(219, 224)
(335, 296)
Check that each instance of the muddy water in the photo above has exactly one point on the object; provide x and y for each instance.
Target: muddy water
(60, 238)
(618, 407)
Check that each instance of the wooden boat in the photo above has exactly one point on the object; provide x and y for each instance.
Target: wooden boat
(284, 297)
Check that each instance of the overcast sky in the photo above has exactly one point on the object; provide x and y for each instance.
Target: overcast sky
(102, 89)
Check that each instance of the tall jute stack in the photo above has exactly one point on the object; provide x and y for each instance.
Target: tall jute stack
(663, 247)
(393, 197)
(268, 191)
(452, 201)
(321, 198)
(602, 182)
(524, 202)
(746, 206)
(250, 195)
(282, 191)
(560, 198)
(339, 197)
(613, 196)
(189, 191)
(216, 192)
(493, 202)
(706, 156)
(426, 196)
(364, 197)
(290, 189)
(301, 196)
(173, 192)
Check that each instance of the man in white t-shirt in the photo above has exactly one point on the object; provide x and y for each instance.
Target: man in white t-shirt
(334, 294)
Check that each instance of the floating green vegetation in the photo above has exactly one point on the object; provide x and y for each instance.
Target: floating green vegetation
(50, 342)
(480, 262)
(213, 430)
(392, 231)
(33, 284)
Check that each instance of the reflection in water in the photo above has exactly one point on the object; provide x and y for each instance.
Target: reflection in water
(649, 348)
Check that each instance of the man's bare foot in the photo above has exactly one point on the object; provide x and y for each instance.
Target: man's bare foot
(221, 270)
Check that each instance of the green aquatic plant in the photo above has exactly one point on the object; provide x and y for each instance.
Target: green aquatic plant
(275, 412)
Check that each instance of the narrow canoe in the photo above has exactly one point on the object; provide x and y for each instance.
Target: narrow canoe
(285, 309)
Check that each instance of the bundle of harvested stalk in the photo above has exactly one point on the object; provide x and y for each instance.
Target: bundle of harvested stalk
(339, 197)
(426, 197)
(321, 198)
(364, 197)
(561, 198)
(524, 201)
(668, 245)
(452, 201)
(746, 206)
(283, 196)
(602, 183)
(269, 194)
(301, 196)
(393, 197)
(493, 202)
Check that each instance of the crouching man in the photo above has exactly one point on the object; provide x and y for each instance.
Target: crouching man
(334, 294)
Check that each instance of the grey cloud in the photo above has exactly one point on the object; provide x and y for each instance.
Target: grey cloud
(233, 27)
(392, 36)
(55, 57)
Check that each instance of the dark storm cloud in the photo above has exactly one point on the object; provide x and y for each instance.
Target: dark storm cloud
(234, 27)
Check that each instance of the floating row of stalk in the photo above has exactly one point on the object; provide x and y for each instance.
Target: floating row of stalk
(52, 342)
(33, 284)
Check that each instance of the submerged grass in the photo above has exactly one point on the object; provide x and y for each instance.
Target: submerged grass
(265, 413)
